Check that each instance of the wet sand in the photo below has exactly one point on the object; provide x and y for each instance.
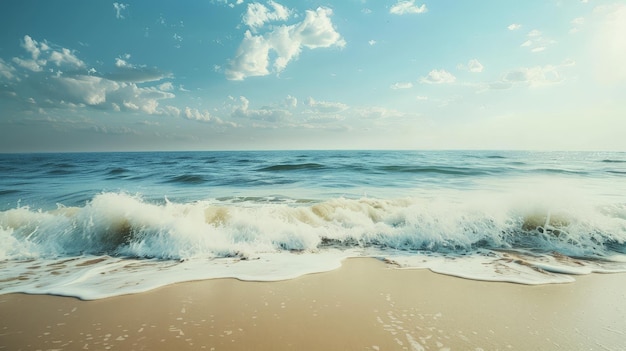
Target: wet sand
(365, 305)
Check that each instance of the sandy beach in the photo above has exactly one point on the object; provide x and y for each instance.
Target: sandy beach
(365, 305)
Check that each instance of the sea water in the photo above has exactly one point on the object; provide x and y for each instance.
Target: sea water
(94, 225)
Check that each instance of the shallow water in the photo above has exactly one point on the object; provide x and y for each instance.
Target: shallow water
(101, 224)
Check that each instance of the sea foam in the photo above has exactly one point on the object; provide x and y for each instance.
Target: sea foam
(139, 244)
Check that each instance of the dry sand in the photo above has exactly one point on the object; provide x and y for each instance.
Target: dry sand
(365, 305)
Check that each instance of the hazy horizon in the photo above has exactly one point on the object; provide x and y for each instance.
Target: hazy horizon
(234, 75)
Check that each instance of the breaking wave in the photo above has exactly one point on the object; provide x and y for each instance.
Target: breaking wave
(140, 245)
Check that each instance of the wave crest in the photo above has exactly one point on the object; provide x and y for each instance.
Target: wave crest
(124, 225)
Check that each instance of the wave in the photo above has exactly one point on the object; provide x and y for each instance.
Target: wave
(118, 243)
(123, 225)
(447, 170)
(9, 191)
(117, 171)
(292, 167)
(187, 179)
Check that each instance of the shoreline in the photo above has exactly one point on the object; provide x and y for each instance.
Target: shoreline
(364, 305)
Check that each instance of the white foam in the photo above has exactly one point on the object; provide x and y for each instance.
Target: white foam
(92, 277)
(141, 245)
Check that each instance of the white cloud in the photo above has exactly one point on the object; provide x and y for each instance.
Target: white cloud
(514, 26)
(66, 57)
(119, 7)
(196, 115)
(258, 14)
(167, 86)
(407, 7)
(89, 90)
(32, 65)
(473, 66)
(317, 30)
(122, 63)
(402, 85)
(7, 71)
(253, 54)
(532, 76)
(291, 101)
(80, 91)
(42, 54)
(31, 46)
(252, 58)
(172, 110)
(325, 106)
(536, 42)
(577, 23)
(129, 72)
(263, 114)
(376, 112)
(438, 77)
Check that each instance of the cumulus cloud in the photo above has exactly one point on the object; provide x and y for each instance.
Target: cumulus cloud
(241, 109)
(291, 101)
(63, 81)
(376, 112)
(65, 57)
(7, 71)
(536, 42)
(167, 86)
(31, 46)
(253, 55)
(119, 7)
(577, 23)
(196, 115)
(438, 76)
(128, 72)
(473, 66)
(514, 26)
(325, 106)
(252, 58)
(407, 7)
(402, 85)
(31, 65)
(107, 94)
(532, 77)
(258, 14)
(42, 54)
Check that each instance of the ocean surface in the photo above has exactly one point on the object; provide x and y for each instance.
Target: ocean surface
(94, 225)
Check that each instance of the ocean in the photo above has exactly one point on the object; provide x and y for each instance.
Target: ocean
(96, 225)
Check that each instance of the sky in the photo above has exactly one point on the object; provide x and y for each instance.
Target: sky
(132, 75)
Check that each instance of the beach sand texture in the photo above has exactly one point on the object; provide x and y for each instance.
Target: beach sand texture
(364, 305)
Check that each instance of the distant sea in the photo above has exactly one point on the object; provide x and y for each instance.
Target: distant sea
(95, 225)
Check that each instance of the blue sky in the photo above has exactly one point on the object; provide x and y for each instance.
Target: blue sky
(230, 74)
